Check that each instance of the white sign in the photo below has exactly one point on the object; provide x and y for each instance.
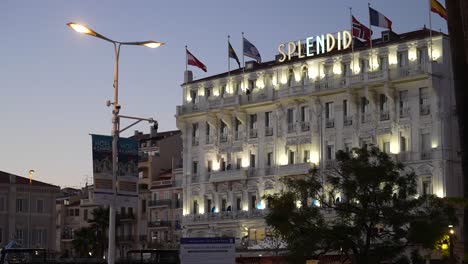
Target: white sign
(321, 44)
(207, 250)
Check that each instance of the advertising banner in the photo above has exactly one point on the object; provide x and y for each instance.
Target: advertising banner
(207, 250)
(127, 172)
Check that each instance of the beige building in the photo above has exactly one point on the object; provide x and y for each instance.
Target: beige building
(27, 212)
(245, 130)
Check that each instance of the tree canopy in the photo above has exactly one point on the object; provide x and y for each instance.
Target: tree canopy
(365, 208)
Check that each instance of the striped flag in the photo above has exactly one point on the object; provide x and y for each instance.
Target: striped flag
(192, 60)
(378, 19)
(439, 9)
(232, 54)
(361, 31)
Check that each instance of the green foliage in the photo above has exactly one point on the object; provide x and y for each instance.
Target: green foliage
(367, 208)
(84, 240)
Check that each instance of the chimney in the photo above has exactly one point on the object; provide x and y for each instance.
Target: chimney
(188, 76)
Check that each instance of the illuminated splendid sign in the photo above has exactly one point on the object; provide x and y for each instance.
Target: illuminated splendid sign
(315, 46)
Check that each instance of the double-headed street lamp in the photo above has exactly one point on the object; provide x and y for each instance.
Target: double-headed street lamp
(115, 121)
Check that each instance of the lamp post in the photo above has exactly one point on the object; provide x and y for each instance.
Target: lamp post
(31, 172)
(115, 122)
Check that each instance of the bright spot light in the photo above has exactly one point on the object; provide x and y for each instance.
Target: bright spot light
(80, 28)
(152, 45)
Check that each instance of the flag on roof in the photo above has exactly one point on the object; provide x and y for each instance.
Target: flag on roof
(232, 54)
(251, 51)
(361, 31)
(192, 60)
(378, 19)
(439, 9)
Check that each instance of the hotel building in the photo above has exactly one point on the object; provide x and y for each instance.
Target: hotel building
(244, 130)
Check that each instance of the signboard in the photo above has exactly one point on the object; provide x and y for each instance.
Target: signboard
(311, 47)
(127, 172)
(207, 250)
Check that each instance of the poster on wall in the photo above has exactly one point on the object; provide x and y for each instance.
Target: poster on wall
(207, 250)
(127, 172)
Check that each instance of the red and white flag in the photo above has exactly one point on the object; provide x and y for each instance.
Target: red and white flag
(192, 60)
(360, 31)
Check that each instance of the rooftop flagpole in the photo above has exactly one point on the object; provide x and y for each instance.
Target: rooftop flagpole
(430, 29)
(352, 37)
(186, 59)
(370, 29)
(229, 60)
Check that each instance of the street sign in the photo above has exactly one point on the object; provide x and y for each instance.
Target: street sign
(207, 250)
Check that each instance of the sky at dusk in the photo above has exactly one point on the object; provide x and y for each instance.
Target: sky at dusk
(54, 82)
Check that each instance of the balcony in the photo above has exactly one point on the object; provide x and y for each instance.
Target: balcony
(404, 156)
(159, 223)
(305, 126)
(412, 70)
(238, 135)
(294, 169)
(375, 75)
(232, 100)
(160, 203)
(253, 133)
(126, 216)
(424, 109)
(329, 122)
(366, 117)
(228, 175)
(161, 184)
(209, 139)
(125, 239)
(225, 216)
(223, 137)
(195, 178)
(330, 164)
(426, 154)
(269, 171)
(404, 112)
(347, 121)
(268, 131)
(291, 127)
(384, 115)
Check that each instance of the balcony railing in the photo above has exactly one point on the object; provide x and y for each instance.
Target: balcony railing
(426, 154)
(161, 184)
(404, 156)
(160, 203)
(159, 223)
(330, 122)
(294, 169)
(291, 127)
(269, 171)
(223, 137)
(366, 117)
(424, 109)
(268, 131)
(305, 126)
(347, 121)
(253, 133)
(384, 115)
(228, 175)
(330, 164)
(225, 216)
(404, 112)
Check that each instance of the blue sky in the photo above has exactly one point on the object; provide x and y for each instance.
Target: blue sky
(54, 82)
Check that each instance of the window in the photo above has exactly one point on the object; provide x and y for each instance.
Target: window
(130, 209)
(193, 96)
(2, 205)
(403, 103)
(195, 167)
(195, 207)
(20, 205)
(347, 147)
(238, 204)
(40, 206)
(209, 206)
(330, 152)
(304, 114)
(223, 205)
(251, 86)
(223, 90)
(253, 126)
(345, 108)
(208, 133)
(329, 113)
(155, 196)
(290, 116)
(166, 196)
(386, 147)
(364, 105)
(207, 92)
(426, 146)
(237, 128)
(424, 103)
(426, 187)
(268, 122)
(222, 164)
(269, 159)
(143, 206)
(291, 157)
(290, 77)
(384, 113)
(306, 157)
(236, 88)
(210, 166)
(223, 131)
(178, 200)
(305, 75)
(403, 144)
(195, 134)
(362, 65)
(402, 56)
(19, 234)
(253, 202)
(422, 55)
(238, 163)
(252, 160)
(344, 69)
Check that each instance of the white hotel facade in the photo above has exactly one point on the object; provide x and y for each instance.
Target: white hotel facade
(245, 130)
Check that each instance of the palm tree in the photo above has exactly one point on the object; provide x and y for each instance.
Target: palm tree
(100, 223)
(84, 241)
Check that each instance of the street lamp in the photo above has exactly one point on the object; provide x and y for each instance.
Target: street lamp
(115, 121)
(451, 233)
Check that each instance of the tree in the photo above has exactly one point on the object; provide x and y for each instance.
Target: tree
(84, 240)
(100, 223)
(365, 208)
